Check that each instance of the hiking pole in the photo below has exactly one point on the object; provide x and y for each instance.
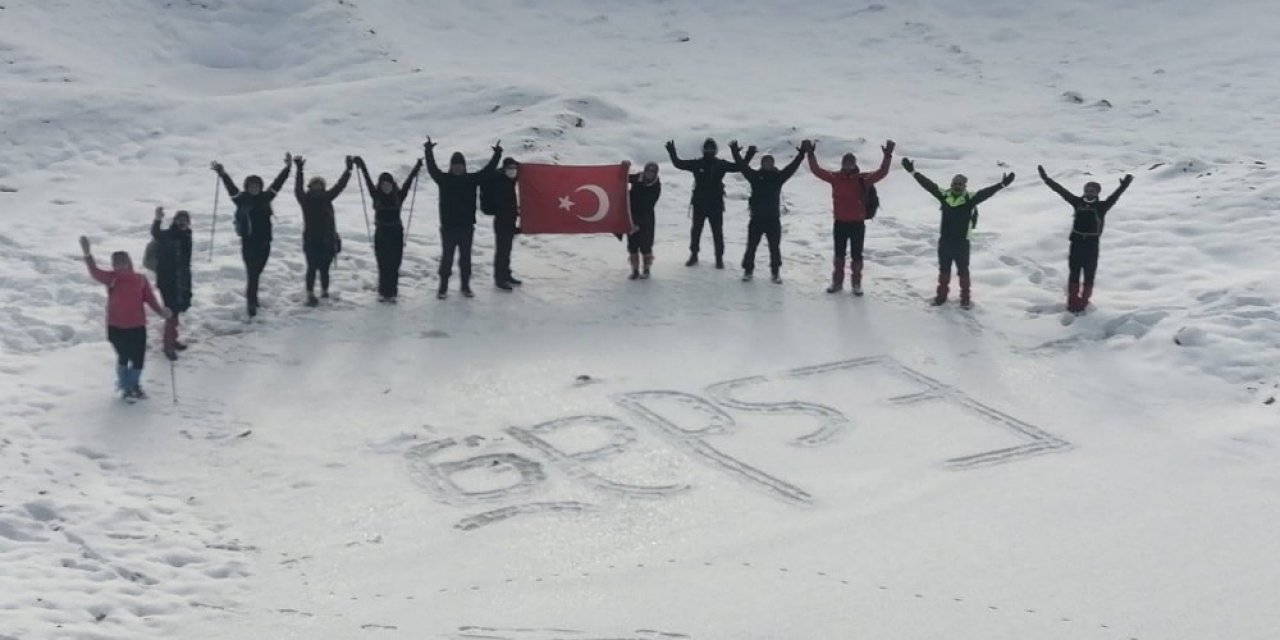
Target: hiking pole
(364, 206)
(213, 228)
(173, 381)
(412, 200)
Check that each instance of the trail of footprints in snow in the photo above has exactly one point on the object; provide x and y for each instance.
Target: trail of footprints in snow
(761, 569)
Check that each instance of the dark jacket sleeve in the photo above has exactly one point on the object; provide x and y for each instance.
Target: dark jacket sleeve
(493, 163)
(1115, 195)
(229, 184)
(297, 186)
(278, 183)
(155, 229)
(1071, 198)
(790, 169)
(928, 185)
(409, 182)
(432, 168)
(683, 165)
(734, 167)
(337, 188)
(740, 164)
(984, 194)
(364, 171)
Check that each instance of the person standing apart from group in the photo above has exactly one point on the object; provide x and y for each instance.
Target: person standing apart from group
(128, 295)
(1089, 218)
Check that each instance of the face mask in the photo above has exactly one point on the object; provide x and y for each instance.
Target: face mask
(511, 173)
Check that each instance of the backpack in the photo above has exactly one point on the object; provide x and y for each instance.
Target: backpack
(872, 202)
(244, 226)
(150, 259)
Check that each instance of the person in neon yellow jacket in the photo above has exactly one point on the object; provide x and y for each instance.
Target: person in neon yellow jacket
(959, 217)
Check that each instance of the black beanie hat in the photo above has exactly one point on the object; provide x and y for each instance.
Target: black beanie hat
(457, 158)
(386, 177)
(253, 180)
(509, 162)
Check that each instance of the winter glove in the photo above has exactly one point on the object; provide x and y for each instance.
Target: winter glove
(908, 165)
(1044, 175)
(1126, 179)
(1008, 179)
(299, 160)
(888, 147)
(288, 158)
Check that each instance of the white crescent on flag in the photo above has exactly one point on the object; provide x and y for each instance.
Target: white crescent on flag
(603, 209)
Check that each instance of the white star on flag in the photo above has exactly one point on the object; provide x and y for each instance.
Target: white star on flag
(565, 203)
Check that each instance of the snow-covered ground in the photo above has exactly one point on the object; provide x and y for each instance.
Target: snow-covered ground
(689, 456)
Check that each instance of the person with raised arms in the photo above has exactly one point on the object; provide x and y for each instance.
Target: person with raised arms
(320, 241)
(1090, 216)
(457, 212)
(708, 196)
(959, 218)
(765, 204)
(388, 227)
(253, 224)
(853, 203)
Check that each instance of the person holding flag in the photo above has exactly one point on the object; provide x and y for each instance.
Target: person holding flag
(765, 204)
(643, 198)
(498, 199)
(959, 218)
(708, 195)
(388, 235)
(457, 212)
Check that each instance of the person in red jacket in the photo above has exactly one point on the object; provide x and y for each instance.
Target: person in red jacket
(127, 292)
(849, 206)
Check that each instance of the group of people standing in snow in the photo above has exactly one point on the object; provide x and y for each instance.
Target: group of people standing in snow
(854, 202)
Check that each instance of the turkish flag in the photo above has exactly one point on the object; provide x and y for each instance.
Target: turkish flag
(566, 199)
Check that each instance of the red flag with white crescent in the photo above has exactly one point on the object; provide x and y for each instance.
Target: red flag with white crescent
(569, 199)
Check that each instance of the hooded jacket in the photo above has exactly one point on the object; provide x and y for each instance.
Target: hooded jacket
(127, 292)
(318, 224)
(253, 212)
(458, 192)
(849, 190)
(173, 265)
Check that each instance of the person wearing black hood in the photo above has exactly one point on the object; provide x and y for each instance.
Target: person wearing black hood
(253, 224)
(708, 195)
(388, 234)
(320, 241)
(457, 212)
(498, 199)
(1086, 235)
(643, 198)
(173, 273)
(766, 206)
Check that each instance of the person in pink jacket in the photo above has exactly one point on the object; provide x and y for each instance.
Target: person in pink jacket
(127, 293)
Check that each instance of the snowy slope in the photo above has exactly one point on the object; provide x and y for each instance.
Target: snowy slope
(440, 470)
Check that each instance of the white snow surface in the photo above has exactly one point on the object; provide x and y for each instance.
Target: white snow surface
(685, 457)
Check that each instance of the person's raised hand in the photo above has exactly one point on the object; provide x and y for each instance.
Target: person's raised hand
(1008, 179)
(84, 245)
(908, 165)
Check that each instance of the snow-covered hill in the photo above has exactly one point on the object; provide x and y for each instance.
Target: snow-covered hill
(690, 456)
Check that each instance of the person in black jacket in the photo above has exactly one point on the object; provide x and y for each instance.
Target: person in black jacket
(1090, 216)
(959, 217)
(643, 197)
(457, 212)
(498, 199)
(388, 234)
(173, 273)
(253, 224)
(708, 196)
(319, 230)
(766, 206)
